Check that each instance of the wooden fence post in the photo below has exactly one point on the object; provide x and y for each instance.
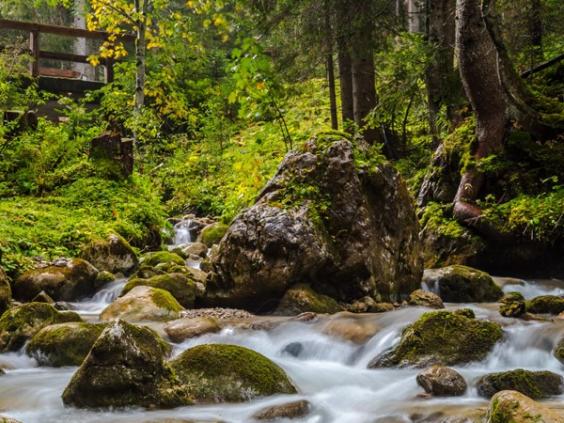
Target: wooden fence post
(34, 47)
(109, 70)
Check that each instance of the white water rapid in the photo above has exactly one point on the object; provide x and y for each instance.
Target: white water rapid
(331, 373)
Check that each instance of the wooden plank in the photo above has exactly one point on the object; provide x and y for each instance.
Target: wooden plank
(68, 57)
(59, 73)
(59, 30)
(64, 85)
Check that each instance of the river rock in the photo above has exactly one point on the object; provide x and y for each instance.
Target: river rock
(178, 284)
(63, 280)
(196, 248)
(354, 330)
(143, 303)
(423, 298)
(442, 381)
(8, 420)
(512, 305)
(329, 218)
(546, 304)
(64, 344)
(559, 351)
(369, 305)
(534, 384)
(212, 233)
(125, 367)
(302, 298)
(291, 410)
(185, 328)
(157, 258)
(442, 337)
(462, 284)
(514, 407)
(42, 297)
(113, 254)
(216, 373)
(5, 291)
(19, 324)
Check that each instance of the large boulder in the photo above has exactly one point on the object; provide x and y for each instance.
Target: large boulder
(21, 323)
(442, 381)
(546, 304)
(301, 298)
(64, 344)
(125, 367)
(143, 303)
(534, 384)
(442, 337)
(5, 291)
(213, 233)
(113, 254)
(182, 288)
(514, 407)
(332, 217)
(462, 284)
(63, 280)
(228, 373)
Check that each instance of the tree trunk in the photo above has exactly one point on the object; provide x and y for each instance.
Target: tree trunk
(343, 36)
(536, 31)
(140, 47)
(478, 71)
(331, 68)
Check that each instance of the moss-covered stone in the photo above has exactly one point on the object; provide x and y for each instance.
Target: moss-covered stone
(423, 298)
(559, 351)
(442, 337)
(125, 367)
(514, 407)
(19, 324)
(64, 344)
(143, 303)
(181, 287)
(302, 298)
(512, 305)
(8, 420)
(462, 284)
(161, 257)
(113, 254)
(213, 233)
(536, 385)
(229, 373)
(105, 277)
(5, 291)
(64, 280)
(546, 304)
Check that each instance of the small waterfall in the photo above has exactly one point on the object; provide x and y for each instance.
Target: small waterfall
(93, 306)
(183, 232)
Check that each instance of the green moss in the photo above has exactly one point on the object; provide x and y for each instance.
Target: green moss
(559, 351)
(164, 299)
(442, 337)
(5, 292)
(229, 373)
(64, 344)
(534, 384)
(302, 298)
(19, 324)
(212, 234)
(512, 305)
(545, 304)
(161, 257)
(179, 285)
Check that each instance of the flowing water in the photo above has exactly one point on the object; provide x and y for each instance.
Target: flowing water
(330, 372)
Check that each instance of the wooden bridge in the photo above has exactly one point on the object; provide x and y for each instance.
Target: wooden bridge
(61, 80)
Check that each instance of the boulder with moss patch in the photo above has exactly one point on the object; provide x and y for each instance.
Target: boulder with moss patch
(229, 373)
(559, 351)
(534, 384)
(64, 344)
(334, 216)
(213, 233)
(178, 284)
(302, 298)
(423, 298)
(113, 254)
(157, 258)
(512, 305)
(442, 337)
(63, 280)
(8, 420)
(546, 304)
(514, 407)
(21, 323)
(5, 291)
(143, 303)
(462, 284)
(124, 368)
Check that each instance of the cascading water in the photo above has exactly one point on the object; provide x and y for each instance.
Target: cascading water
(331, 373)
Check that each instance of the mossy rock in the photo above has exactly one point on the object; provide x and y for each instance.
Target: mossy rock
(8, 420)
(5, 291)
(534, 384)
(462, 284)
(512, 305)
(125, 368)
(423, 298)
(105, 277)
(213, 233)
(514, 407)
(64, 280)
(546, 304)
(442, 337)
(113, 254)
(159, 258)
(229, 373)
(64, 344)
(559, 351)
(302, 298)
(179, 285)
(143, 303)
(21, 323)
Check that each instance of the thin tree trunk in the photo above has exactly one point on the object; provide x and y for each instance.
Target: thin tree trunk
(536, 31)
(331, 68)
(140, 47)
(343, 36)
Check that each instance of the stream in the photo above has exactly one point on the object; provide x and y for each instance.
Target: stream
(329, 372)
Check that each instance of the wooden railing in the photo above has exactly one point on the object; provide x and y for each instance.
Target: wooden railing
(35, 30)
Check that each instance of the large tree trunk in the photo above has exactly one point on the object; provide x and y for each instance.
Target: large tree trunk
(478, 71)
(342, 32)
